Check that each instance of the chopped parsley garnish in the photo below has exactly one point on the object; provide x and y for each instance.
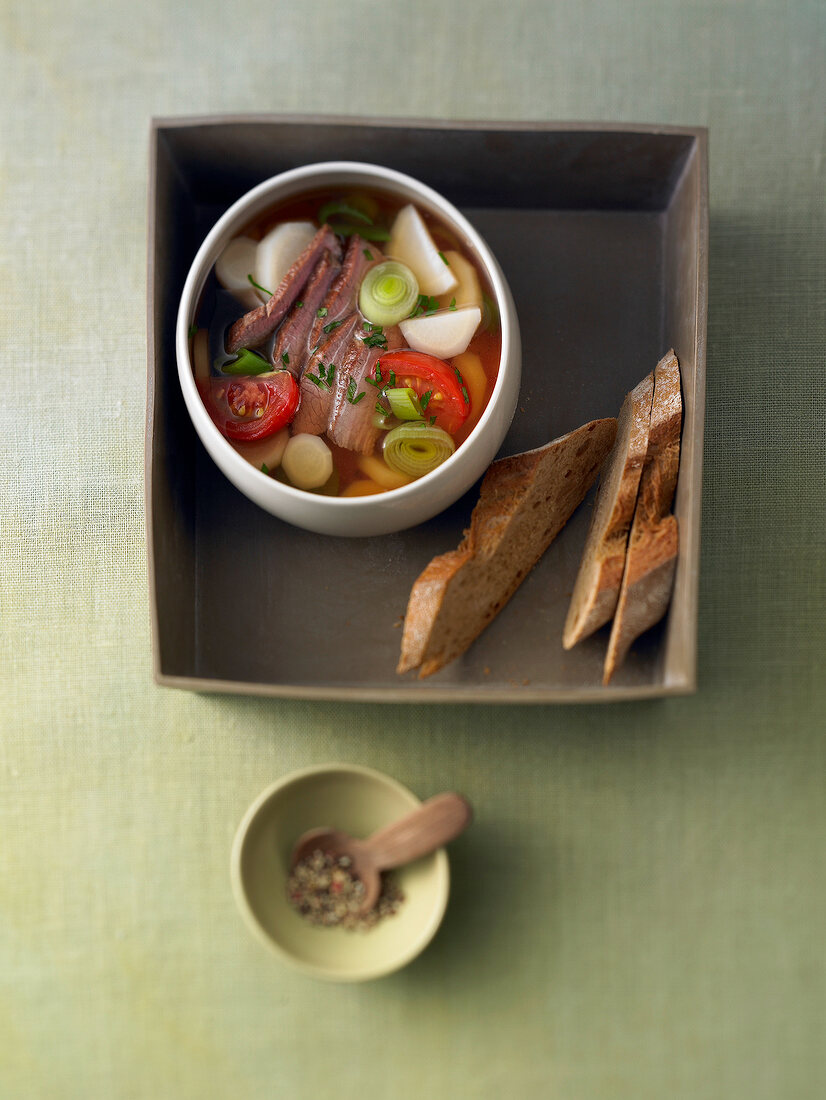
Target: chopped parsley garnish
(426, 305)
(444, 259)
(299, 305)
(432, 421)
(452, 303)
(368, 255)
(258, 286)
(352, 396)
(424, 400)
(376, 380)
(321, 312)
(392, 378)
(264, 468)
(375, 340)
(324, 379)
(465, 394)
(285, 359)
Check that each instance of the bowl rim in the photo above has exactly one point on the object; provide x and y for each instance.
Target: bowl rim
(199, 270)
(416, 946)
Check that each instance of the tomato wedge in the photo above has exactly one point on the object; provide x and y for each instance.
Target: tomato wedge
(251, 408)
(448, 401)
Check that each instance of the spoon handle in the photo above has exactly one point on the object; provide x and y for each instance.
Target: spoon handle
(427, 828)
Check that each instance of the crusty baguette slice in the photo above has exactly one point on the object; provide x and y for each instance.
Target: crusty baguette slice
(597, 584)
(524, 502)
(653, 544)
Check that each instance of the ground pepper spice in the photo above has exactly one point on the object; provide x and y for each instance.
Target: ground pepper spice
(325, 892)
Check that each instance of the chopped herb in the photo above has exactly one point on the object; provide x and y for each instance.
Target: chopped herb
(321, 312)
(452, 303)
(331, 326)
(392, 378)
(465, 394)
(424, 400)
(368, 255)
(352, 396)
(258, 286)
(432, 421)
(381, 409)
(426, 305)
(285, 359)
(324, 379)
(444, 259)
(367, 326)
(264, 468)
(193, 329)
(299, 305)
(375, 340)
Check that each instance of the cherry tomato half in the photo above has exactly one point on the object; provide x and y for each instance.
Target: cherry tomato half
(449, 401)
(251, 408)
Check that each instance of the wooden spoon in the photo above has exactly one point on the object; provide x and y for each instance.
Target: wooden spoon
(417, 834)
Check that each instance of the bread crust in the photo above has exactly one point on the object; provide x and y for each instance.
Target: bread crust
(599, 578)
(653, 544)
(524, 502)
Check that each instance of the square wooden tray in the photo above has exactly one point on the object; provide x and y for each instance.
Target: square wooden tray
(602, 232)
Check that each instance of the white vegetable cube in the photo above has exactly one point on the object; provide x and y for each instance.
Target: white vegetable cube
(410, 242)
(233, 268)
(277, 252)
(444, 334)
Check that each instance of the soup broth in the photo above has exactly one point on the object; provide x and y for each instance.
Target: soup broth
(346, 343)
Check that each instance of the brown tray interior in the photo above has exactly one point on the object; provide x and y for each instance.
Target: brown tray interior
(600, 232)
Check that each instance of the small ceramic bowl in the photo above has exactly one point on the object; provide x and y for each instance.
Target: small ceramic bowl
(359, 801)
(399, 508)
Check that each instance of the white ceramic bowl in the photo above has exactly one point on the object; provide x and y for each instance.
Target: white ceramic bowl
(396, 509)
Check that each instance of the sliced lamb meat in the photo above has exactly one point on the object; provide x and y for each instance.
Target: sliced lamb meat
(354, 405)
(318, 382)
(251, 330)
(291, 340)
(343, 294)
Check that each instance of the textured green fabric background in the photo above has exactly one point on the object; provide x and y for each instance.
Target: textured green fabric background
(639, 911)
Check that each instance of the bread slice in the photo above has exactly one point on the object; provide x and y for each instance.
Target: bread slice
(598, 581)
(653, 544)
(524, 502)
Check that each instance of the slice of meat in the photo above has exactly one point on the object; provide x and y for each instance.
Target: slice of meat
(291, 349)
(251, 330)
(354, 406)
(318, 382)
(343, 294)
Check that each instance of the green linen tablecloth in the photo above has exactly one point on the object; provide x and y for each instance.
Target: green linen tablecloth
(639, 910)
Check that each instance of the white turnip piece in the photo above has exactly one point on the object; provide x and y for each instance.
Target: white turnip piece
(410, 242)
(277, 252)
(233, 268)
(444, 334)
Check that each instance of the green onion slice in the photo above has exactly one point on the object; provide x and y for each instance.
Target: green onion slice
(404, 403)
(246, 362)
(388, 293)
(416, 448)
(338, 207)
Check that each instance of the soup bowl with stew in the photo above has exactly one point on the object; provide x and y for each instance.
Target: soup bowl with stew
(348, 349)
